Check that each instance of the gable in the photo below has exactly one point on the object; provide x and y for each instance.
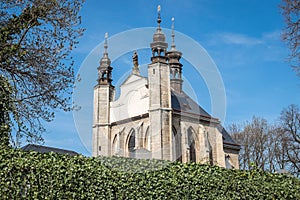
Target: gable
(132, 78)
(133, 100)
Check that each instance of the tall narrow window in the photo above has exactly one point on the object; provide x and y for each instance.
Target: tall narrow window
(176, 140)
(115, 145)
(191, 145)
(131, 144)
(147, 140)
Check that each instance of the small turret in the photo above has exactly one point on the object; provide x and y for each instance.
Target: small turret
(105, 70)
(174, 57)
(159, 45)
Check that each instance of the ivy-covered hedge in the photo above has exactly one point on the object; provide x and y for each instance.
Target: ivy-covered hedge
(31, 175)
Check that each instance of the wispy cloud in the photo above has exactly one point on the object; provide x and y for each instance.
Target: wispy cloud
(239, 39)
(231, 38)
(236, 49)
(274, 35)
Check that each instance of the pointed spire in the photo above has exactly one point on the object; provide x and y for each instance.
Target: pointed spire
(173, 47)
(174, 57)
(105, 45)
(159, 45)
(105, 70)
(105, 58)
(158, 17)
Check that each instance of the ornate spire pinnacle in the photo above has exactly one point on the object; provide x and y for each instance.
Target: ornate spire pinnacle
(105, 54)
(158, 16)
(174, 57)
(159, 45)
(173, 47)
(105, 70)
(105, 44)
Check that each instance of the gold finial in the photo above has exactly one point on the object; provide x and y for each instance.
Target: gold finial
(158, 8)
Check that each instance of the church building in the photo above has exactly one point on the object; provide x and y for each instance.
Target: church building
(153, 118)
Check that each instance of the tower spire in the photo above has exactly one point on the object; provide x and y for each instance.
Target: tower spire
(105, 70)
(159, 45)
(105, 44)
(173, 46)
(174, 57)
(158, 16)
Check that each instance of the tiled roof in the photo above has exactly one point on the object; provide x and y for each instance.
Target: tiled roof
(182, 102)
(227, 139)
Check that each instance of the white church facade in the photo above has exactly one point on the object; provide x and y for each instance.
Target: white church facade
(153, 117)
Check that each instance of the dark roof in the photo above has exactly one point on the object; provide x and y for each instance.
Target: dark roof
(227, 139)
(45, 149)
(182, 102)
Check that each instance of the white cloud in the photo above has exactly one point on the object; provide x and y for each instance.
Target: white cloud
(236, 50)
(274, 35)
(240, 39)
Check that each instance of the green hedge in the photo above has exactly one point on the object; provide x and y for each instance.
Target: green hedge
(31, 175)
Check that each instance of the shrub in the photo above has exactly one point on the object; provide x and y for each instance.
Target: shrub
(32, 175)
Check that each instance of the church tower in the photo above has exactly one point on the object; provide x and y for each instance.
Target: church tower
(103, 95)
(160, 97)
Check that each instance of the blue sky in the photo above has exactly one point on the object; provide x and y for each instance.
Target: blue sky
(241, 36)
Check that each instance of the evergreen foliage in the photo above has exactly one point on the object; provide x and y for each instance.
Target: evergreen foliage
(31, 175)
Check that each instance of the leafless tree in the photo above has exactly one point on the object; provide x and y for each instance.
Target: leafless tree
(253, 137)
(263, 145)
(270, 147)
(291, 35)
(277, 146)
(290, 122)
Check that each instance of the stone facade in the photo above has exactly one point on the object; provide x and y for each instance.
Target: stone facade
(153, 118)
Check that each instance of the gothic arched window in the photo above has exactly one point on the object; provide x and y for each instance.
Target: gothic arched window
(176, 141)
(191, 145)
(147, 140)
(131, 143)
(115, 145)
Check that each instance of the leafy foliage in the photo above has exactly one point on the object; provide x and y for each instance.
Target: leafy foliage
(6, 107)
(31, 175)
(36, 39)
